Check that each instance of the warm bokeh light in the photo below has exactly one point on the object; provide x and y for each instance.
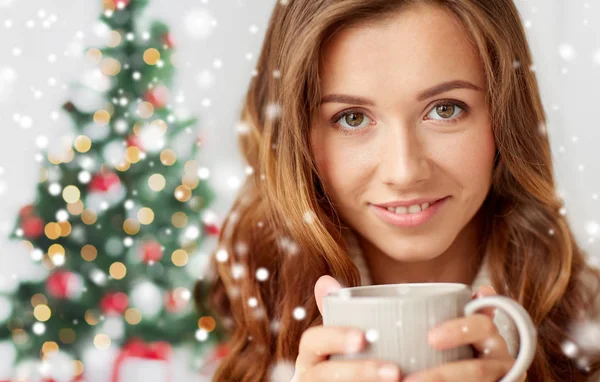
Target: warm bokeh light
(78, 367)
(160, 124)
(118, 270)
(67, 335)
(71, 194)
(52, 231)
(89, 252)
(109, 66)
(114, 39)
(168, 157)
(131, 226)
(151, 56)
(42, 312)
(91, 317)
(49, 347)
(65, 228)
(183, 193)
(133, 154)
(94, 54)
(123, 166)
(102, 341)
(133, 316)
(145, 215)
(179, 219)
(145, 110)
(207, 323)
(56, 250)
(102, 117)
(179, 257)
(38, 299)
(156, 182)
(89, 217)
(75, 208)
(83, 144)
(191, 181)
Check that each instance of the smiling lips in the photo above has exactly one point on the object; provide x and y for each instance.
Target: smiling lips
(409, 206)
(408, 214)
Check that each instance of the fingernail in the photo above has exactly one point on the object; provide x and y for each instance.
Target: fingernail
(433, 336)
(354, 342)
(388, 372)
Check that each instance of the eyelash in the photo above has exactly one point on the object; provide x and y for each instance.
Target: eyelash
(346, 131)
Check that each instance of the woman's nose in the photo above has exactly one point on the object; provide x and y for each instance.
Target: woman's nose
(403, 163)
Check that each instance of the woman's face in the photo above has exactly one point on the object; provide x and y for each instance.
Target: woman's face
(409, 136)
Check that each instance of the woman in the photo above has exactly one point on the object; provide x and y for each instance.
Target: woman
(397, 141)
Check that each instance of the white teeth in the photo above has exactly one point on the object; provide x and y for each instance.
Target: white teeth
(416, 208)
(401, 210)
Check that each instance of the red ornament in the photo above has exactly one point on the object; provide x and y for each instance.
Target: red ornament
(151, 251)
(26, 211)
(33, 227)
(167, 39)
(63, 284)
(114, 303)
(174, 301)
(220, 351)
(157, 96)
(103, 182)
(212, 229)
(134, 140)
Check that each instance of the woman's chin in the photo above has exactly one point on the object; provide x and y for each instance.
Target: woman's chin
(413, 257)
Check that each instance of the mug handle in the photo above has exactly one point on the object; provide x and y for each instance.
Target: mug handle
(527, 331)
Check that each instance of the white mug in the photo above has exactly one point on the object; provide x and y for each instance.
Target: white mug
(399, 316)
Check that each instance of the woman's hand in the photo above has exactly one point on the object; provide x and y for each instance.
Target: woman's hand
(493, 359)
(318, 342)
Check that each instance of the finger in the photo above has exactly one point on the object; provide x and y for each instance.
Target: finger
(478, 330)
(318, 342)
(323, 286)
(351, 371)
(468, 370)
(486, 290)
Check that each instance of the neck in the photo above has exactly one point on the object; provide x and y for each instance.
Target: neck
(458, 264)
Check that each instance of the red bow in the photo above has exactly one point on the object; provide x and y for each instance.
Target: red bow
(160, 350)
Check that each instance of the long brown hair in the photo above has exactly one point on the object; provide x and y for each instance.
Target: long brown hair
(283, 221)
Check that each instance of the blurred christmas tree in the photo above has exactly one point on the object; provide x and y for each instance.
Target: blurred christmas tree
(117, 218)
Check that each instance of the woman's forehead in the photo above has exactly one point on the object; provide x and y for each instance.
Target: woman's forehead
(419, 47)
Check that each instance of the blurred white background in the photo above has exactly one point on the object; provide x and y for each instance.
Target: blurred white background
(41, 52)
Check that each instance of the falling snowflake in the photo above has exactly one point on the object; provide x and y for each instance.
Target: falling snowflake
(238, 271)
(569, 349)
(262, 274)
(252, 302)
(222, 255)
(299, 313)
(567, 52)
(372, 335)
(272, 111)
(309, 217)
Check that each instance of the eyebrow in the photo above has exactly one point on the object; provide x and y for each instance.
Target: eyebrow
(428, 93)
